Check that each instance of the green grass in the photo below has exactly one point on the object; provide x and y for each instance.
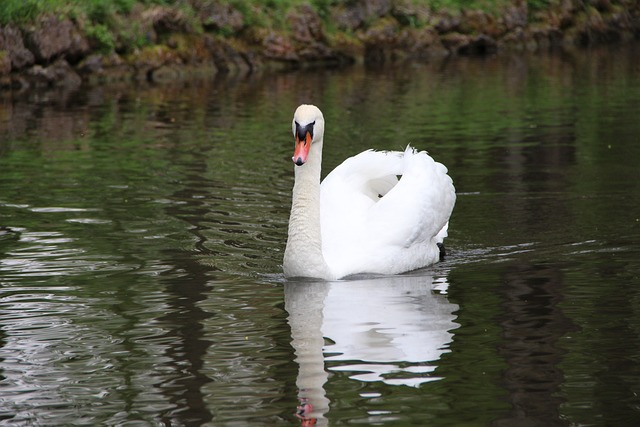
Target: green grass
(268, 13)
(23, 11)
(19, 11)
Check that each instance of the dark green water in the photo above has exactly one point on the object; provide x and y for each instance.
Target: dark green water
(143, 230)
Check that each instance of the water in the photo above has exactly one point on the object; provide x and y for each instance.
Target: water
(143, 230)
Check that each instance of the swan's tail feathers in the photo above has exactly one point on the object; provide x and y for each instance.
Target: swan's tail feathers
(440, 240)
(442, 233)
(412, 150)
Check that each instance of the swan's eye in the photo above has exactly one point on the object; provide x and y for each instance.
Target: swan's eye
(302, 131)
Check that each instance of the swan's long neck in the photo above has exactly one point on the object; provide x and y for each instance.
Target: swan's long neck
(303, 254)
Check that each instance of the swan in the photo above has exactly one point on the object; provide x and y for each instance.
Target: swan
(363, 218)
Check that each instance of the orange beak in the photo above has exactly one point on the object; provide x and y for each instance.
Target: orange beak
(302, 149)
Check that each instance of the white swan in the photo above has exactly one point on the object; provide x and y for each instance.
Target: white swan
(363, 219)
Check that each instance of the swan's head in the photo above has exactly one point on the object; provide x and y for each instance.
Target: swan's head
(308, 128)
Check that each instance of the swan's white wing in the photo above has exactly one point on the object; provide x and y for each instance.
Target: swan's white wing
(372, 222)
(349, 192)
(418, 208)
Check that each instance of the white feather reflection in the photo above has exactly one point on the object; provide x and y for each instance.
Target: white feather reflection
(388, 329)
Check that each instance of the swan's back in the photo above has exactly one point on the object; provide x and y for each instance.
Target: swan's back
(371, 221)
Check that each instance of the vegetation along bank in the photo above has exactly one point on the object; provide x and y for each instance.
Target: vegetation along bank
(66, 42)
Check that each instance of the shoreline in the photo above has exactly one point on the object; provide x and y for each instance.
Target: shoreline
(55, 50)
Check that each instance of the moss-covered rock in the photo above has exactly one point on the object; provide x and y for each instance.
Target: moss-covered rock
(11, 43)
(51, 37)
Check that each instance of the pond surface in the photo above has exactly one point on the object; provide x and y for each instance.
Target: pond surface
(143, 228)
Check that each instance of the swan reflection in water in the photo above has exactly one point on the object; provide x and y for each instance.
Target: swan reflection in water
(380, 329)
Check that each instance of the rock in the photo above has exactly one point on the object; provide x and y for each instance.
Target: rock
(567, 14)
(52, 38)
(516, 39)
(479, 45)
(154, 57)
(380, 41)
(92, 64)
(58, 74)
(446, 23)
(316, 51)
(166, 20)
(596, 29)
(388, 42)
(305, 24)
(221, 17)
(453, 41)
(105, 68)
(278, 47)
(595, 21)
(5, 63)
(516, 16)
(150, 58)
(12, 45)
(226, 58)
(191, 48)
(464, 44)
(422, 44)
(409, 14)
(355, 14)
(383, 33)
(548, 38)
(98, 63)
(477, 22)
(6, 81)
(602, 5)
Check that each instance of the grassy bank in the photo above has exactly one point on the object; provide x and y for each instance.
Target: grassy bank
(20, 11)
(25, 11)
(264, 13)
(101, 20)
(109, 25)
(156, 39)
